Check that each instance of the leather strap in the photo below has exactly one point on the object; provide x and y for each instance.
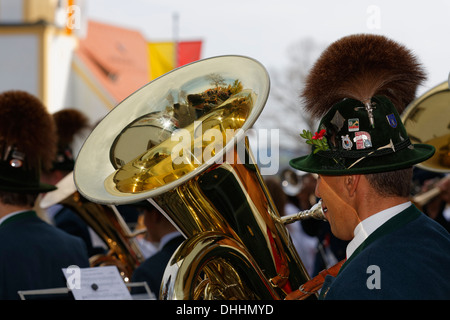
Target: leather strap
(312, 286)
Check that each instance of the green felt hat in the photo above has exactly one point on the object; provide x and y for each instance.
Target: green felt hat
(18, 177)
(358, 87)
(348, 141)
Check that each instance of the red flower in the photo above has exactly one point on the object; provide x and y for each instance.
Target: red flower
(319, 136)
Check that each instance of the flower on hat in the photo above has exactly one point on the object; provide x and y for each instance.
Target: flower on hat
(320, 135)
(318, 140)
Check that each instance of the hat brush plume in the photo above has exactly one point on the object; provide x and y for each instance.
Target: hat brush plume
(360, 67)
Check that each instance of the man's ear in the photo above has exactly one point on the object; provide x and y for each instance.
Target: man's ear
(351, 183)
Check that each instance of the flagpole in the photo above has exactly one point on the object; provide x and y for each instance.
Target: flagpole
(175, 27)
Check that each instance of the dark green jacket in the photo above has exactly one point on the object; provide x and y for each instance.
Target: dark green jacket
(408, 257)
(33, 253)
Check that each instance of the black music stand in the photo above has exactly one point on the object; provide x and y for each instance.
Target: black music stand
(66, 294)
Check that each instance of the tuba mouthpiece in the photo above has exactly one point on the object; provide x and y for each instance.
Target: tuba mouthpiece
(315, 212)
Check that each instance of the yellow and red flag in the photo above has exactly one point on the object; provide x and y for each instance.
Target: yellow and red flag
(166, 56)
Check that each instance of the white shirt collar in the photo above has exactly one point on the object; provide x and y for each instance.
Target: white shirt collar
(370, 224)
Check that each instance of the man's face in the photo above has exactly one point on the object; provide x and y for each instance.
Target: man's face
(335, 202)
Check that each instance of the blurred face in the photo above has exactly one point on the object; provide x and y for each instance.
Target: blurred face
(335, 202)
(151, 223)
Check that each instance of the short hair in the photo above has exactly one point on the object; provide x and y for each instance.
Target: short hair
(392, 183)
(18, 198)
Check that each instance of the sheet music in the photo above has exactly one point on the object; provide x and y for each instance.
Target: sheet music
(99, 283)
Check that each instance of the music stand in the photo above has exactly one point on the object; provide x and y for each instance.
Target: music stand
(66, 294)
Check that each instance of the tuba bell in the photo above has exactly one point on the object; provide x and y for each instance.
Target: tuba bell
(427, 120)
(179, 142)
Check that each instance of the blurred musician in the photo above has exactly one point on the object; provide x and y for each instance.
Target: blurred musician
(160, 230)
(70, 124)
(32, 252)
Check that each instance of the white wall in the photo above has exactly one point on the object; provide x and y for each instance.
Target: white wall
(19, 63)
(11, 11)
(59, 61)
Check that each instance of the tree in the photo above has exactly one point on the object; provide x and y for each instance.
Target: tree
(284, 109)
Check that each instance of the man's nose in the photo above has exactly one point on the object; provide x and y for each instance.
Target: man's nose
(316, 190)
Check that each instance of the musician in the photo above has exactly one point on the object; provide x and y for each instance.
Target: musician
(160, 231)
(364, 159)
(32, 252)
(70, 123)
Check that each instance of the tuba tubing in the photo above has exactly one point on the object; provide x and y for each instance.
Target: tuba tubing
(106, 221)
(423, 198)
(232, 201)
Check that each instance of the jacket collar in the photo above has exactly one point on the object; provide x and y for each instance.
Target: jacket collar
(409, 214)
(16, 216)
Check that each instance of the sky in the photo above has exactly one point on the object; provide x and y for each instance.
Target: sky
(265, 29)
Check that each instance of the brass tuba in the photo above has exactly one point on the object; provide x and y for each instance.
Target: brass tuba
(179, 142)
(427, 120)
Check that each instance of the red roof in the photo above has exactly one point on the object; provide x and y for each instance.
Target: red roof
(116, 56)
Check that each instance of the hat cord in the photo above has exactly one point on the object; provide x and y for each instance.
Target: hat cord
(386, 149)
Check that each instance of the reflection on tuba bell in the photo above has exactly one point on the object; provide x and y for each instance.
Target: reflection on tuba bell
(179, 142)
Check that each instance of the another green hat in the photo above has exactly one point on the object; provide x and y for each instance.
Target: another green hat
(359, 86)
(349, 143)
